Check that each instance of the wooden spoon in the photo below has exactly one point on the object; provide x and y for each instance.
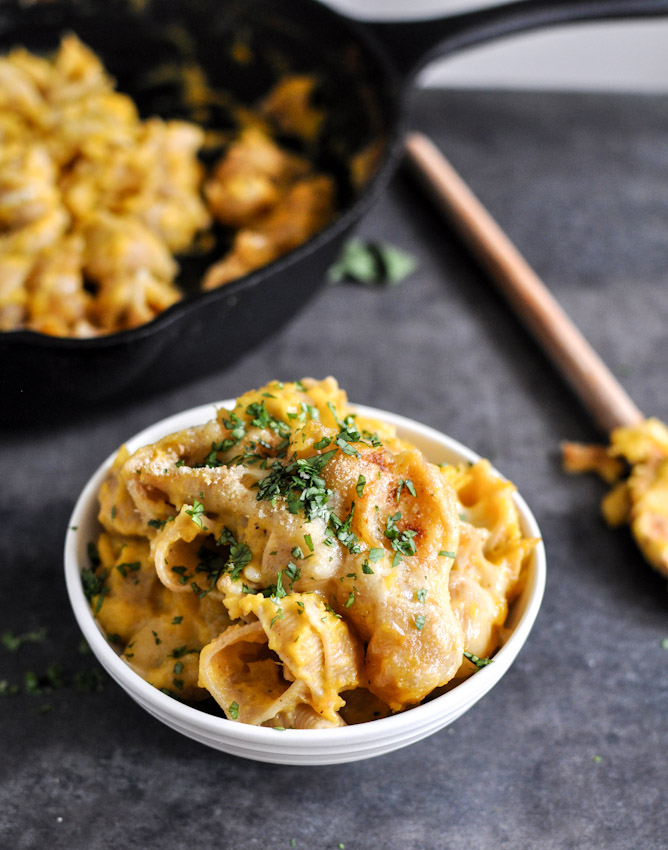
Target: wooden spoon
(594, 384)
(642, 500)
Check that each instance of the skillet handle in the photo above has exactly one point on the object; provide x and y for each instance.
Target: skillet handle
(412, 44)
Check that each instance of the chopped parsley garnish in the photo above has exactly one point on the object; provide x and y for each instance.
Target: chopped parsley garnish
(261, 418)
(180, 651)
(196, 512)
(359, 487)
(444, 553)
(237, 431)
(125, 568)
(376, 554)
(178, 668)
(279, 590)
(342, 532)
(421, 594)
(366, 569)
(351, 599)
(176, 621)
(401, 541)
(160, 523)
(292, 572)
(93, 585)
(475, 659)
(169, 693)
(322, 444)
(346, 448)
(240, 553)
(420, 620)
(300, 483)
(234, 710)
(408, 484)
(7, 689)
(14, 642)
(372, 264)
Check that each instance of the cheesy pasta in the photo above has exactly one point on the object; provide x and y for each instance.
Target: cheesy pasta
(301, 564)
(95, 202)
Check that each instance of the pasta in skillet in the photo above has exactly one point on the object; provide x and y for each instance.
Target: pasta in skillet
(301, 564)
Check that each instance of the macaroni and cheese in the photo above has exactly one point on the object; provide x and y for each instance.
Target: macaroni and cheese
(301, 564)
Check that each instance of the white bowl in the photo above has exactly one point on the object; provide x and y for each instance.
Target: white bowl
(300, 746)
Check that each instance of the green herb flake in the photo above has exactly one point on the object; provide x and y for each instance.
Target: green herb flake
(14, 642)
(372, 264)
(177, 620)
(366, 568)
(160, 523)
(475, 659)
(196, 513)
(444, 553)
(420, 620)
(376, 554)
(31, 682)
(359, 487)
(309, 541)
(351, 599)
(234, 710)
(124, 569)
(342, 532)
(93, 584)
(421, 594)
(7, 689)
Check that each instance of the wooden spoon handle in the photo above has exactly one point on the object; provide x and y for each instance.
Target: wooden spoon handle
(594, 384)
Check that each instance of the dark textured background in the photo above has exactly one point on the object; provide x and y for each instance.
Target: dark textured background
(570, 749)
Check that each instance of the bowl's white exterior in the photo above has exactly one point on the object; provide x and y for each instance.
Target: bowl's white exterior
(300, 746)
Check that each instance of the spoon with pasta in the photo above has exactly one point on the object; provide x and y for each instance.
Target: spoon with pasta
(635, 462)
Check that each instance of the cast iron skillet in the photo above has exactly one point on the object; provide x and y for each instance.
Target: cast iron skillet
(364, 72)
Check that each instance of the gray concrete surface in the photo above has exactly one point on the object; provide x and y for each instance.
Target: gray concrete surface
(570, 750)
